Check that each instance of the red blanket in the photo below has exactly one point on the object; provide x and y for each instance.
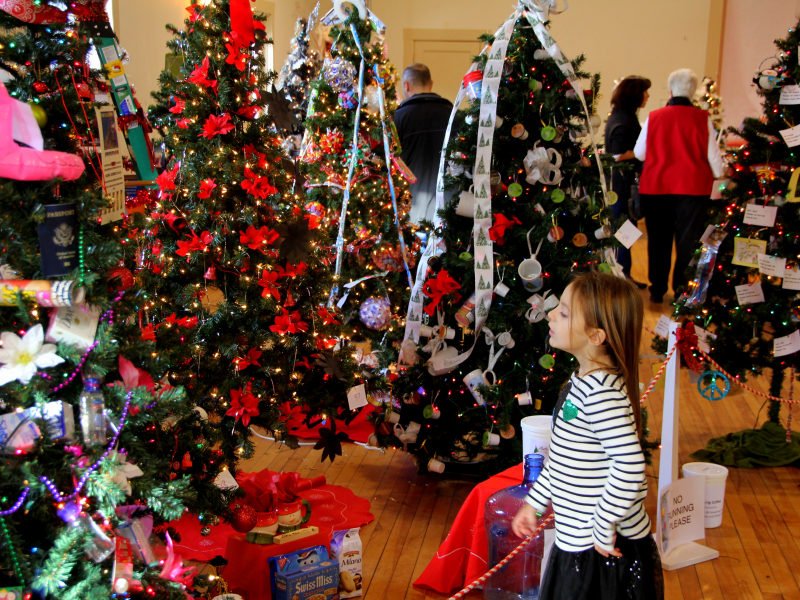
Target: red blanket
(461, 558)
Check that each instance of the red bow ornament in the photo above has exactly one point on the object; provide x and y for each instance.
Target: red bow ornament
(497, 232)
(437, 288)
(687, 342)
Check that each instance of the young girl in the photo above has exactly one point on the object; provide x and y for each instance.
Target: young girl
(595, 476)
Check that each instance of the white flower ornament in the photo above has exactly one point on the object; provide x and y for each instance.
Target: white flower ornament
(22, 357)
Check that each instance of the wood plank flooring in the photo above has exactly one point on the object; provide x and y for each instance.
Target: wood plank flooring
(759, 540)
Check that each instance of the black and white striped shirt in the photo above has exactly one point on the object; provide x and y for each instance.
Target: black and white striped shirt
(595, 475)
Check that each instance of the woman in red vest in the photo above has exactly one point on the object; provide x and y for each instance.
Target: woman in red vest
(681, 160)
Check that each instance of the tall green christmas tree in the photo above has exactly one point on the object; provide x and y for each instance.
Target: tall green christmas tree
(745, 284)
(529, 210)
(85, 431)
(236, 279)
(357, 183)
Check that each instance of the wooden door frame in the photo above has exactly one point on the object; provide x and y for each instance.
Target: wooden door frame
(435, 35)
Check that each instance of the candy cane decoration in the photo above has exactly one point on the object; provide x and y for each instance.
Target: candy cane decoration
(482, 579)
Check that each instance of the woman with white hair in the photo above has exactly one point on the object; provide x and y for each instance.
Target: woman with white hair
(681, 160)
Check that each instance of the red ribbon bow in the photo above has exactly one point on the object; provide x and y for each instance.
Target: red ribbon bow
(687, 341)
(437, 288)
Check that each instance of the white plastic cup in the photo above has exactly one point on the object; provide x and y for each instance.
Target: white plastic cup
(602, 233)
(466, 203)
(394, 417)
(536, 435)
(473, 380)
(435, 466)
(491, 439)
(501, 289)
(525, 399)
(715, 476)
(425, 331)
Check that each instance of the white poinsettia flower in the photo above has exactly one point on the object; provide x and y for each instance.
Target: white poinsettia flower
(22, 357)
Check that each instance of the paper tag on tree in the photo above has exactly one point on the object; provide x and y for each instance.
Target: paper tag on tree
(788, 344)
(790, 94)
(357, 397)
(702, 338)
(628, 234)
(771, 265)
(225, 481)
(662, 328)
(74, 325)
(791, 136)
(749, 293)
(760, 215)
(791, 279)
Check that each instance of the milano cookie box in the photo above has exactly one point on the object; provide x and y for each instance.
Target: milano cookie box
(305, 575)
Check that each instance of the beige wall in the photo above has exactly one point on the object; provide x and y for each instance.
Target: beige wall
(140, 26)
(620, 37)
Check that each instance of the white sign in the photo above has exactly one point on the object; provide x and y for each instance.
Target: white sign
(662, 328)
(760, 215)
(791, 279)
(702, 338)
(791, 136)
(772, 265)
(788, 344)
(357, 397)
(749, 293)
(790, 94)
(225, 481)
(681, 513)
(628, 234)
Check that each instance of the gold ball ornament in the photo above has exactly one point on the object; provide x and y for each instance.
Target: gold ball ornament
(39, 114)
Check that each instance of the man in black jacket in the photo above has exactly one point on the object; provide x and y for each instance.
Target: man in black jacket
(421, 122)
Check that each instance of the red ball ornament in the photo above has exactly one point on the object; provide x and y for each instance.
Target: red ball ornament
(244, 518)
(123, 278)
(40, 87)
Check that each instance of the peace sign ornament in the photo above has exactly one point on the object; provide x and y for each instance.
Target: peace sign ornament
(713, 385)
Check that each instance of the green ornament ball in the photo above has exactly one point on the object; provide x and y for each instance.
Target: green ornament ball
(604, 268)
(547, 361)
(515, 190)
(557, 196)
(465, 256)
(39, 114)
(548, 133)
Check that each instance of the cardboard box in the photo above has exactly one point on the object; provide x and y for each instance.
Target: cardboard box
(305, 575)
(17, 432)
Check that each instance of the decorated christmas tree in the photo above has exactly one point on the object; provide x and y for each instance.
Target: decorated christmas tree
(745, 287)
(359, 186)
(236, 279)
(94, 454)
(531, 210)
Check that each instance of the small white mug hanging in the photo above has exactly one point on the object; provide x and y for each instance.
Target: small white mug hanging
(505, 340)
(555, 234)
(393, 417)
(473, 380)
(525, 399)
(603, 233)
(435, 466)
(491, 439)
(501, 289)
(595, 122)
(466, 203)
(540, 54)
(341, 12)
(530, 269)
(534, 85)
(431, 412)
(372, 441)
(498, 122)
(519, 132)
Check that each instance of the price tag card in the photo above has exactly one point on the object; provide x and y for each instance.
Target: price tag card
(790, 94)
(702, 338)
(791, 279)
(357, 397)
(791, 136)
(788, 344)
(662, 328)
(628, 234)
(771, 265)
(749, 293)
(760, 215)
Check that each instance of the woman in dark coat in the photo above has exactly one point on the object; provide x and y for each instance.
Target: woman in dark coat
(622, 131)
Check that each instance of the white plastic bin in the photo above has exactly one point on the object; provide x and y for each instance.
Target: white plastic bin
(536, 435)
(715, 476)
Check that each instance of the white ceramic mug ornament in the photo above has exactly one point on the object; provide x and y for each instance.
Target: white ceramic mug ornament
(530, 269)
(466, 203)
(540, 54)
(491, 439)
(501, 289)
(435, 466)
(431, 412)
(393, 417)
(473, 380)
(603, 233)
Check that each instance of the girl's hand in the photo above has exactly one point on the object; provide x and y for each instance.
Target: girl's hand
(524, 523)
(615, 552)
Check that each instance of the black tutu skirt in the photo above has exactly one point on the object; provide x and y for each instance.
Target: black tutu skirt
(588, 575)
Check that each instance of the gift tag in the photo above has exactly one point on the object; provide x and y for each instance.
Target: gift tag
(749, 293)
(662, 328)
(628, 234)
(357, 397)
(791, 278)
(790, 94)
(788, 344)
(791, 136)
(771, 265)
(760, 215)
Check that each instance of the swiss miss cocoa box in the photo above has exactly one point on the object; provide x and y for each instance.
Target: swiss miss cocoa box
(305, 575)
(346, 549)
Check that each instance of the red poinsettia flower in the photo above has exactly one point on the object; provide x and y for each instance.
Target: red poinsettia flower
(133, 377)
(200, 74)
(257, 185)
(497, 231)
(149, 333)
(166, 181)
(237, 51)
(295, 270)
(180, 105)
(252, 359)
(268, 281)
(193, 14)
(195, 244)
(216, 125)
(324, 343)
(243, 405)
(187, 322)
(171, 319)
(288, 322)
(328, 318)
(304, 363)
(206, 187)
(184, 123)
(255, 238)
(250, 152)
(248, 112)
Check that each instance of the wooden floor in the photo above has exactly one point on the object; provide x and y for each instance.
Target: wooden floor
(759, 541)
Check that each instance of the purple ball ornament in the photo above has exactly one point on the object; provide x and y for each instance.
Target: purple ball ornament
(376, 313)
(340, 74)
(348, 100)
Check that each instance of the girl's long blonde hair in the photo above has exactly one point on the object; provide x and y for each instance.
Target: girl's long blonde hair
(613, 304)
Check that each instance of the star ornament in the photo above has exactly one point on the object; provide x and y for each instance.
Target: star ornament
(330, 442)
(243, 406)
(22, 357)
(216, 125)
